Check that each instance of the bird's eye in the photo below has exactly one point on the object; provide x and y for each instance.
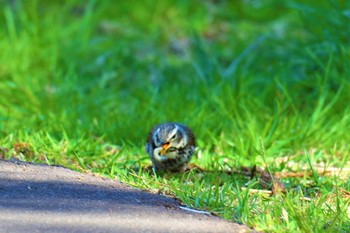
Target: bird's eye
(173, 137)
(156, 139)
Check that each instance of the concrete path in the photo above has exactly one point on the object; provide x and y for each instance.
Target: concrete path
(41, 198)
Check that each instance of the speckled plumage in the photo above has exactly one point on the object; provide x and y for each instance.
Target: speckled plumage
(170, 146)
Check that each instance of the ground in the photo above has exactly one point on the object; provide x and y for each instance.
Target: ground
(41, 198)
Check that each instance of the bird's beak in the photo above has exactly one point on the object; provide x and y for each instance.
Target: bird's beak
(165, 147)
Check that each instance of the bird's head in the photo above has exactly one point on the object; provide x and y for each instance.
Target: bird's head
(168, 138)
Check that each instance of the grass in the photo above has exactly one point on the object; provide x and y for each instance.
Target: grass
(260, 83)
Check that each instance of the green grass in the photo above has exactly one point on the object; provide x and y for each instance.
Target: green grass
(82, 83)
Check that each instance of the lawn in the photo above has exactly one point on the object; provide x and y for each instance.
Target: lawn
(264, 85)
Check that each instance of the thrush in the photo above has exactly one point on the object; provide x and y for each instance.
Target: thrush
(170, 147)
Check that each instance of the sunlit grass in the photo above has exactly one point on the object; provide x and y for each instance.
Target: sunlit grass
(82, 84)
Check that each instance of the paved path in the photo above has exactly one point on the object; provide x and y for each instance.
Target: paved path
(41, 198)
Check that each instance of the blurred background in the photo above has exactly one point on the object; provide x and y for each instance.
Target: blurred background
(239, 73)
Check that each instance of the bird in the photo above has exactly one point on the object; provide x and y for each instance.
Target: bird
(170, 147)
